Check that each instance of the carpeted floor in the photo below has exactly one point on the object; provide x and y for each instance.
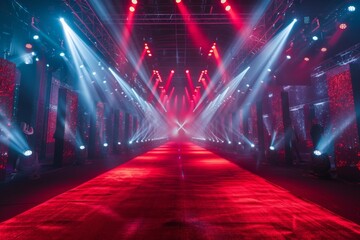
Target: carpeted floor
(178, 192)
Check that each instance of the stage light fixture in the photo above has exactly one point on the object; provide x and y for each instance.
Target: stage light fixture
(105, 144)
(27, 153)
(307, 59)
(223, 1)
(47, 65)
(317, 153)
(134, 1)
(36, 37)
(210, 54)
(315, 38)
(62, 54)
(269, 69)
(37, 59)
(62, 20)
(28, 46)
(82, 147)
(288, 57)
(343, 26)
(187, 71)
(119, 143)
(178, 1)
(351, 8)
(324, 49)
(132, 9)
(252, 145)
(93, 73)
(228, 8)
(272, 148)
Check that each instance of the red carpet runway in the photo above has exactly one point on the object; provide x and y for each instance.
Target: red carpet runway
(178, 192)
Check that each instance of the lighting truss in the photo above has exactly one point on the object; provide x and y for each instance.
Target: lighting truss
(90, 25)
(348, 56)
(263, 31)
(166, 19)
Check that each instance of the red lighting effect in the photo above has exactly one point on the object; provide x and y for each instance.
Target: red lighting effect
(178, 1)
(28, 46)
(307, 59)
(210, 54)
(187, 71)
(172, 71)
(132, 9)
(223, 1)
(149, 54)
(343, 26)
(228, 8)
(134, 1)
(324, 49)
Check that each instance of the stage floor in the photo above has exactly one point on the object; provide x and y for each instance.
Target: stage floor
(178, 191)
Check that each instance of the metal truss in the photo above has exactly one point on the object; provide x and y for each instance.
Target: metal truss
(168, 19)
(348, 56)
(90, 25)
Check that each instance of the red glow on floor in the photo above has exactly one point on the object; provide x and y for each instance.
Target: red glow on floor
(178, 190)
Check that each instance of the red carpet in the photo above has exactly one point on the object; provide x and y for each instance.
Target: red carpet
(178, 192)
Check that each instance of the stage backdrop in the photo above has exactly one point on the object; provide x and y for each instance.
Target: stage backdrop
(7, 92)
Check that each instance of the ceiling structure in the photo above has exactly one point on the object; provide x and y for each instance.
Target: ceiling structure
(181, 40)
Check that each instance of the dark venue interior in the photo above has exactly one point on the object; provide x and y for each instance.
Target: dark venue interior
(179, 119)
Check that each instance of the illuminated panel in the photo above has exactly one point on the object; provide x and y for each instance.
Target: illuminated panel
(342, 112)
(7, 89)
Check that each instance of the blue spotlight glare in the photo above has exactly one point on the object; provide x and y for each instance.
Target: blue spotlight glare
(229, 142)
(272, 148)
(315, 38)
(351, 8)
(317, 153)
(105, 144)
(62, 20)
(252, 145)
(82, 147)
(62, 54)
(27, 153)
(130, 142)
(119, 143)
(295, 20)
(36, 37)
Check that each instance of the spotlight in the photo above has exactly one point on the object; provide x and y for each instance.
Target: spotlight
(269, 70)
(239, 143)
(295, 20)
(132, 9)
(272, 148)
(324, 49)
(134, 1)
(119, 143)
(28, 46)
(343, 26)
(130, 142)
(82, 147)
(229, 142)
(62, 54)
(351, 8)
(172, 71)
(62, 20)
(288, 57)
(33, 53)
(307, 59)
(94, 73)
(47, 65)
(315, 38)
(27, 153)
(228, 8)
(178, 1)
(187, 71)
(36, 37)
(105, 144)
(223, 1)
(252, 145)
(317, 152)
(37, 59)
